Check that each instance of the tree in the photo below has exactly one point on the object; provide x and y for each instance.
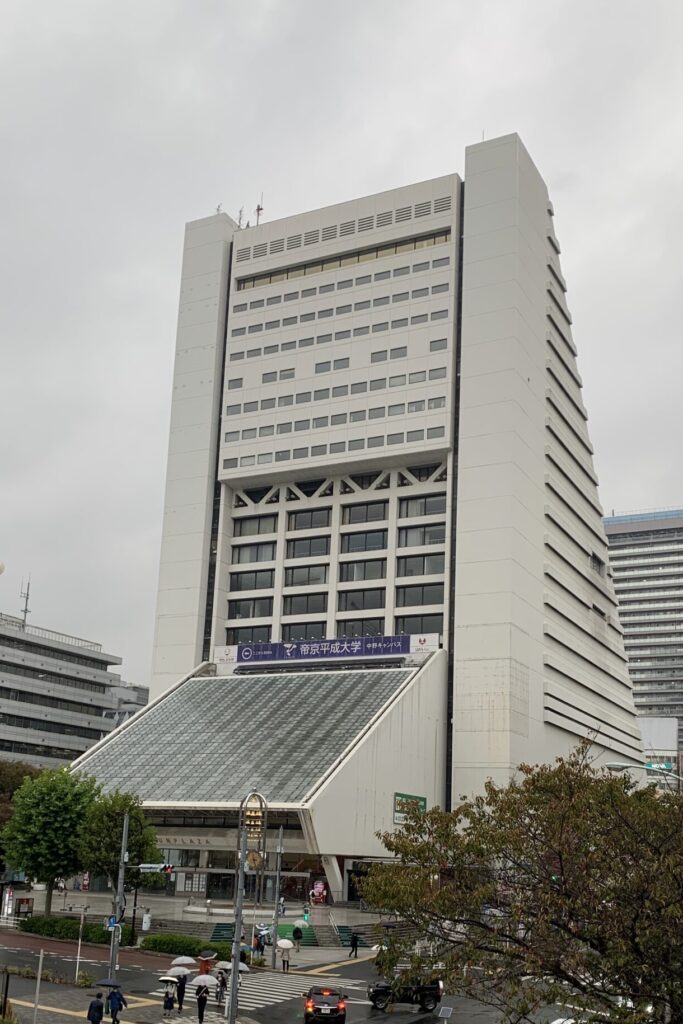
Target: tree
(101, 838)
(566, 886)
(43, 835)
(12, 774)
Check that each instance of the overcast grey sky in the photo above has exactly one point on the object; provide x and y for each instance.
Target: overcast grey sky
(119, 121)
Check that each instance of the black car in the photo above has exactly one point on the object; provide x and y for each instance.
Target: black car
(427, 994)
(324, 1003)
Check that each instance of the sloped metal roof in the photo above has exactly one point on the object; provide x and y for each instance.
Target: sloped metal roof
(213, 739)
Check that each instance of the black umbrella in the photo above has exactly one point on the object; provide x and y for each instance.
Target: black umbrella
(108, 983)
(208, 954)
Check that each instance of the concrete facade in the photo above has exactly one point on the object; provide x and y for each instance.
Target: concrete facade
(377, 428)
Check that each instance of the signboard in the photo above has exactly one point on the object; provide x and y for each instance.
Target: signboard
(402, 802)
(322, 650)
(661, 766)
(111, 922)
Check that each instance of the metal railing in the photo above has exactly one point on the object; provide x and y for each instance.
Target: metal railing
(47, 634)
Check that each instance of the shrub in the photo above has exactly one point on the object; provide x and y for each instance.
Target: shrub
(185, 945)
(68, 927)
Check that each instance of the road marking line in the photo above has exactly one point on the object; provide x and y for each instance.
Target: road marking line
(340, 963)
(139, 1003)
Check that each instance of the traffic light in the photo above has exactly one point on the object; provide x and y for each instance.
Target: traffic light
(167, 869)
(307, 911)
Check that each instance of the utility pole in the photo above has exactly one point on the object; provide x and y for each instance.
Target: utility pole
(119, 903)
(276, 912)
(237, 937)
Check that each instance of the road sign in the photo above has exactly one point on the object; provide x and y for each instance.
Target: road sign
(148, 868)
(111, 922)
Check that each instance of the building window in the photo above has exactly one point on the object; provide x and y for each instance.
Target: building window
(416, 406)
(427, 593)
(261, 579)
(367, 540)
(284, 428)
(309, 519)
(337, 419)
(253, 553)
(308, 547)
(248, 635)
(305, 604)
(369, 512)
(360, 388)
(370, 569)
(304, 575)
(437, 373)
(418, 536)
(420, 565)
(436, 431)
(436, 403)
(379, 357)
(250, 608)
(253, 525)
(438, 345)
(399, 352)
(360, 627)
(323, 367)
(268, 378)
(357, 416)
(235, 383)
(304, 631)
(414, 624)
(597, 564)
(360, 600)
(425, 505)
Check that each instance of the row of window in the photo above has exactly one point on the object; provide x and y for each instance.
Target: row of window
(45, 725)
(363, 540)
(49, 677)
(349, 259)
(26, 697)
(407, 624)
(341, 391)
(337, 447)
(349, 572)
(366, 512)
(321, 339)
(378, 412)
(357, 332)
(343, 310)
(347, 601)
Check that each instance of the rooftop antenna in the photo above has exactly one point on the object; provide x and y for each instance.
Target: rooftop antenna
(219, 208)
(240, 217)
(259, 211)
(25, 594)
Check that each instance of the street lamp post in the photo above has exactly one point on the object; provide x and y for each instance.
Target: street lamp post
(622, 766)
(251, 838)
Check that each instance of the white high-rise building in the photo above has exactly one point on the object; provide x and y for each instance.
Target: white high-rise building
(377, 429)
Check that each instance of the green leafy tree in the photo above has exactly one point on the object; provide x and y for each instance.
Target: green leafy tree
(12, 774)
(101, 838)
(565, 886)
(43, 836)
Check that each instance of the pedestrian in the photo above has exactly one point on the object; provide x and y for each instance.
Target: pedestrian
(180, 992)
(221, 987)
(169, 998)
(285, 960)
(202, 996)
(117, 1001)
(96, 1009)
(354, 945)
(297, 935)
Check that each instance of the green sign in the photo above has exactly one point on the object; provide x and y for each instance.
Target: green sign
(402, 803)
(664, 766)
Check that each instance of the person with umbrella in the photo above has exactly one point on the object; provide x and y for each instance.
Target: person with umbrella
(169, 994)
(202, 996)
(284, 945)
(297, 935)
(117, 1001)
(180, 991)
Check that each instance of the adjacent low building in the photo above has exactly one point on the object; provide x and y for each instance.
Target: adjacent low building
(58, 695)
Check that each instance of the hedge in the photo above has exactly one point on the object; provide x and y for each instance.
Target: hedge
(68, 928)
(184, 945)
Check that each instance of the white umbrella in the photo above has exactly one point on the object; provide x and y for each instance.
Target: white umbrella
(301, 924)
(204, 979)
(285, 944)
(222, 965)
(178, 972)
(184, 961)
(168, 977)
(242, 967)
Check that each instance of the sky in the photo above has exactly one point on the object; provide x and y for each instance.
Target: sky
(120, 121)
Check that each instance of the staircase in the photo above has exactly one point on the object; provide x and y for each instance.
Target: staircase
(362, 931)
(284, 931)
(198, 929)
(224, 932)
(326, 935)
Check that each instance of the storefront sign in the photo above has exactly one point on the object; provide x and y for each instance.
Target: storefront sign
(403, 802)
(321, 650)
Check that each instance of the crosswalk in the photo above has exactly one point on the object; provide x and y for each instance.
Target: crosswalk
(261, 989)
